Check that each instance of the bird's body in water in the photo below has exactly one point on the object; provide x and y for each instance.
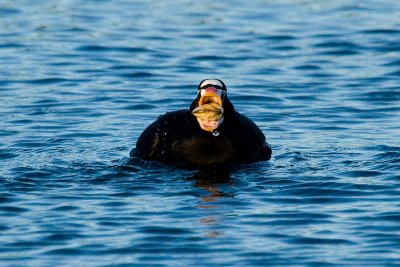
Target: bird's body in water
(210, 132)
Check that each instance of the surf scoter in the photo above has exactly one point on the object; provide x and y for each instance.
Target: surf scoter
(210, 132)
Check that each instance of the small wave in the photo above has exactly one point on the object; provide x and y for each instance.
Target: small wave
(141, 107)
(364, 173)
(388, 47)
(209, 58)
(382, 96)
(4, 11)
(47, 81)
(338, 44)
(340, 52)
(323, 190)
(139, 74)
(64, 236)
(12, 44)
(10, 210)
(382, 31)
(278, 38)
(285, 48)
(307, 67)
(100, 48)
(66, 251)
(163, 230)
(6, 199)
(63, 208)
(320, 241)
(7, 154)
(394, 63)
(394, 74)
(393, 156)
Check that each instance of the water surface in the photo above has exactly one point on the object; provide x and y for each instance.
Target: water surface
(80, 80)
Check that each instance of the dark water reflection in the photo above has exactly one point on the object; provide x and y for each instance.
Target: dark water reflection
(209, 180)
(80, 80)
(213, 182)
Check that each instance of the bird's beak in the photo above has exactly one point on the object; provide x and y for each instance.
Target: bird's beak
(210, 97)
(210, 112)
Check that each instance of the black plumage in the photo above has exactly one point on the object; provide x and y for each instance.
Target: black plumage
(176, 138)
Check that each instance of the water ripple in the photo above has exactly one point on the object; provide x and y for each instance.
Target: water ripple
(100, 48)
(382, 31)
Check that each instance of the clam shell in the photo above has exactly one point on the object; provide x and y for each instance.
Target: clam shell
(211, 111)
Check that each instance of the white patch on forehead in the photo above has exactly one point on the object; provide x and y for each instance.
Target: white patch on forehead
(212, 82)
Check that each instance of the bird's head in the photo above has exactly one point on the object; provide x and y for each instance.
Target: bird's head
(211, 104)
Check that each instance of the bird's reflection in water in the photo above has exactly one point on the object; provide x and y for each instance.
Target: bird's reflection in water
(211, 181)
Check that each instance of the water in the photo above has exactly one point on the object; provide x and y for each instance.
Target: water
(80, 80)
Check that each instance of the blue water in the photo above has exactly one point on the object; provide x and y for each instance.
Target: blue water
(80, 80)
